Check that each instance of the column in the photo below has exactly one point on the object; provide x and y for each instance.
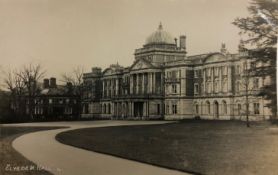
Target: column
(212, 79)
(150, 82)
(143, 83)
(204, 81)
(154, 83)
(229, 79)
(117, 87)
(220, 78)
(137, 83)
(131, 83)
(103, 88)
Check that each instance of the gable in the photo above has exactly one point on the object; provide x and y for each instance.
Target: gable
(214, 58)
(141, 64)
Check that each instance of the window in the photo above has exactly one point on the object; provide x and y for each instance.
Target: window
(174, 74)
(239, 108)
(208, 107)
(208, 87)
(67, 101)
(50, 101)
(104, 108)
(109, 109)
(237, 87)
(253, 65)
(174, 109)
(224, 107)
(244, 66)
(196, 88)
(167, 109)
(197, 109)
(196, 73)
(174, 88)
(216, 86)
(158, 108)
(256, 83)
(256, 108)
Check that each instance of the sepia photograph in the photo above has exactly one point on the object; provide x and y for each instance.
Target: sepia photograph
(138, 87)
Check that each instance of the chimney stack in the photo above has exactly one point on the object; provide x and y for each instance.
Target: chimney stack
(46, 83)
(53, 82)
(183, 42)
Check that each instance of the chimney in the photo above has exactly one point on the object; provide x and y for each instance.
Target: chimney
(45, 83)
(183, 42)
(53, 83)
(176, 42)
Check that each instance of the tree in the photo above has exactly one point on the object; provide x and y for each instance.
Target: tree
(16, 87)
(75, 78)
(30, 75)
(261, 30)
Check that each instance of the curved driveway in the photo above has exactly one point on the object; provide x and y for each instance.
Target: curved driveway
(43, 149)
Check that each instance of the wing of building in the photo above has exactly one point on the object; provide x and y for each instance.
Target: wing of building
(165, 83)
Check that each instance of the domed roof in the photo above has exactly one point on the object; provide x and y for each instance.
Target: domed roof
(160, 37)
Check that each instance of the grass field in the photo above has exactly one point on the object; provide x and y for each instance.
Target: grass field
(12, 162)
(205, 147)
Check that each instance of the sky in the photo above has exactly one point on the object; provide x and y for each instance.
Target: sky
(63, 34)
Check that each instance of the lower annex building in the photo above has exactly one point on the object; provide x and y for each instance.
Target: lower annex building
(163, 82)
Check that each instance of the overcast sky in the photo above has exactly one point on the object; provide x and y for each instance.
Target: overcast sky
(61, 34)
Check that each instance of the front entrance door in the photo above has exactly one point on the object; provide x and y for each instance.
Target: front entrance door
(138, 109)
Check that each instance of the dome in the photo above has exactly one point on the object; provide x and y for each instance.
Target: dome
(160, 37)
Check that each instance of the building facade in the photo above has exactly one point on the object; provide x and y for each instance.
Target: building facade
(55, 101)
(164, 83)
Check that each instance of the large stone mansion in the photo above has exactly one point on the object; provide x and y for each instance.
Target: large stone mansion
(163, 82)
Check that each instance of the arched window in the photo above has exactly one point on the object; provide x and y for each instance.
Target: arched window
(208, 107)
(239, 109)
(104, 108)
(109, 108)
(224, 107)
(197, 108)
(237, 86)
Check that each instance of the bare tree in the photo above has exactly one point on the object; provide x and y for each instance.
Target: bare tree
(30, 75)
(16, 87)
(246, 78)
(76, 79)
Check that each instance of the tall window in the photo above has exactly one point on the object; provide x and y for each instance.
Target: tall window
(239, 108)
(256, 108)
(109, 108)
(256, 83)
(196, 73)
(197, 109)
(174, 88)
(158, 108)
(196, 88)
(208, 107)
(167, 109)
(224, 107)
(216, 86)
(237, 86)
(174, 109)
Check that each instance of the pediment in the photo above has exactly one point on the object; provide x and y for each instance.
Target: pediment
(141, 64)
(107, 71)
(217, 57)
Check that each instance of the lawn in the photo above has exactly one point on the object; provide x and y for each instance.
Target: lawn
(12, 162)
(204, 147)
